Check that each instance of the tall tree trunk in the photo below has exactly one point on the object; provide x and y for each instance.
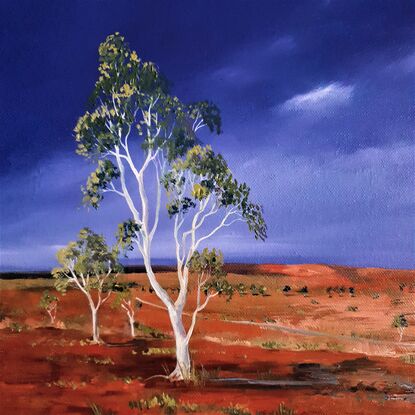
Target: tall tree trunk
(183, 362)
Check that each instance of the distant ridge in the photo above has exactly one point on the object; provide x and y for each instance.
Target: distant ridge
(130, 269)
(312, 271)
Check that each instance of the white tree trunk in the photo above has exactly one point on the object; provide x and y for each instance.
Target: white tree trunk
(400, 330)
(131, 321)
(183, 363)
(95, 327)
(52, 317)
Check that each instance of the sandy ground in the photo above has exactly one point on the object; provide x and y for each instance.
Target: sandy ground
(316, 353)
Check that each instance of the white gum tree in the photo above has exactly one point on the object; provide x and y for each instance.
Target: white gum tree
(90, 266)
(125, 300)
(131, 104)
(207, 266)
(49, 303)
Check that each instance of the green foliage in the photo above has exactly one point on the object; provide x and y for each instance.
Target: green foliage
(307, 346)
(400, 321)
(127, 232)
(98, 181)
(254, 290)
(69, 384)
(180, 205)
(210, 114)
(335, 347)
(157, 351)
(163, 400)
(132, 95)
(241, 288)
(123, 293)
(221, 286)
(190, 407)
(90, 257)
(271, 345)
(98, 361)
(17, 327)
(262, 290)
(207, 262)
(47, 300)
(151, 331)
(121, 296)
(235, 410)
(209, 265)
(211, 176)
(408, 359)
(125, 85)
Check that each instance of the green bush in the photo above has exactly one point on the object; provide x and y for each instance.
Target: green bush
(164, 401)
(235, 410)
(151, 331)
(17, 327)
(271, 345)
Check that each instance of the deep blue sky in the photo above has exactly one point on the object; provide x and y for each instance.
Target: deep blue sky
(317, 99)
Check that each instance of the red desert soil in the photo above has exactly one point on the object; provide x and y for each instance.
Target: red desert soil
(318, 355)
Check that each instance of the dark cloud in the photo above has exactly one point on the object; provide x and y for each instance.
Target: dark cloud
(316, 98)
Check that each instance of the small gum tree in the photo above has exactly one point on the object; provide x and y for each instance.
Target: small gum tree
(90, 266)
(49, 303)
(400, 322)
(142, 137)
(210, 279)
(125, 299)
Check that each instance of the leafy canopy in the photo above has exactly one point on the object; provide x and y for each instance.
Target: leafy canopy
(125, 295)
(89, 256)
(208, 265)
(98, 181)
(202, 173)
(47, 300)
(207, 262)
(400, 321)
(131, 96)
(126, 233)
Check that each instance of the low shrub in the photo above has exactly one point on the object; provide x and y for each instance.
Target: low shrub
(241, 289)
(307, 346)
(271, 345)
(409, 359)
(158, 351)
(163, 401)
(17, 327)
(151, 331)
(189, 407)
(236, 410)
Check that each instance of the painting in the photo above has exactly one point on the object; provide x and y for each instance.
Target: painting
(207, 207)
